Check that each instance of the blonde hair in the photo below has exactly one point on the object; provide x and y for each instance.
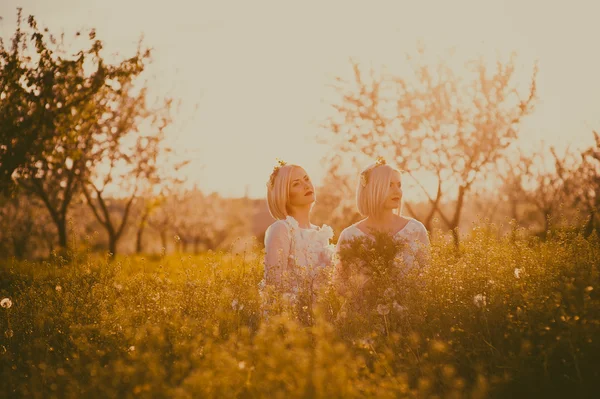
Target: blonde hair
(278, 190)
(372, 189)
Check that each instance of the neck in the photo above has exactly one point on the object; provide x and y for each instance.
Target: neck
(302, 216)
(381, 220)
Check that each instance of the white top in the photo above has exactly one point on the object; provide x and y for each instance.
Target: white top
(414, 234)
(294, 254)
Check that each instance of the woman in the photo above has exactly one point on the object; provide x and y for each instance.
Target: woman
(298, 254)
(379, 199)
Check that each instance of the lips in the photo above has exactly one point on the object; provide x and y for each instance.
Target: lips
(395, 198)
(308, 193)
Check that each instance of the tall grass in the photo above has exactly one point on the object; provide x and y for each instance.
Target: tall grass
(503, 317)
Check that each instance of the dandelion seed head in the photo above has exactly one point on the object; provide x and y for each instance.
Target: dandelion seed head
(479, 300)
(6, 303)
(438, 346)
(383, 309)
(399, 308)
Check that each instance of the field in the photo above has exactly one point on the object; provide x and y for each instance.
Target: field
(509, 316)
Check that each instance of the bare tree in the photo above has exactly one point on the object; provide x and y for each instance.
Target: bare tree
(127, 158)
(584, 185)
(434, 122)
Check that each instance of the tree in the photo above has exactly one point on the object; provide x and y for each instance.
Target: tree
(585, 185)
(126, 160)
(146, 207)
(209, 221)
(435, 122)
(25, 227)
(52, 104)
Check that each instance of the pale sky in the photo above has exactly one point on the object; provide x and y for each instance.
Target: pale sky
(258, 70)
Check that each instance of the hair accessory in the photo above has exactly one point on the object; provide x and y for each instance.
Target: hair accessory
(380, 161)
(276, 168)
(364, 176)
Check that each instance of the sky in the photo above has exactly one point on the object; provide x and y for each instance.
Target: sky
(258, 70)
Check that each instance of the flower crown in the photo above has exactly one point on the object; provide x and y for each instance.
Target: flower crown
(276, 168)
(364, 176)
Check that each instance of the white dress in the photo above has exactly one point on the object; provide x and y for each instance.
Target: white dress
(414, 234)
(295, 255)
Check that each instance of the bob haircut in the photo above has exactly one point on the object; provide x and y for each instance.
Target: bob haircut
(373, 187)
(278, 190)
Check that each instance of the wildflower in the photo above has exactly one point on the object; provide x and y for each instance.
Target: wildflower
(242, 365)
(438, 346)
(479, 300)
(6, 303)
(234, 304)
(383, 309)
(399, 308)
(131, 348)
(589, 288)
(9, 333)
(517, 272)
(58, 288)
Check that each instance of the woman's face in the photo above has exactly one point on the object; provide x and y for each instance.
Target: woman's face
(302, 191)
(394, 195)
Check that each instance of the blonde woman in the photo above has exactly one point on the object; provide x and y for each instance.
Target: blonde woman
(298, 254)
(379, 200)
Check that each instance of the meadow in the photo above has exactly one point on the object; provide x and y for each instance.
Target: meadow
(503, 316)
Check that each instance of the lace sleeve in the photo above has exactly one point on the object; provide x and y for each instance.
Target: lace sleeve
(277, 252)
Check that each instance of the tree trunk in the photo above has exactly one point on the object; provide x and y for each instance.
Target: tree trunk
(163, 240)
(139, 235)
(589, 226)
(184, 245)
(112, 245)
(19, 246)
(546, 224)
(61, 226)
(455, 238)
